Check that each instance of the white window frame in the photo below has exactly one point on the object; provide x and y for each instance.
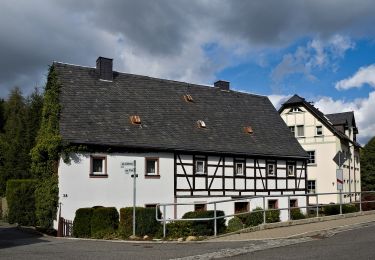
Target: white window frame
(156, 161)
(242, 168)
(308, 188)
(316, 130)
(293, 170)
(303, 130)
(196, 166)
(309, 162)
(273, 169)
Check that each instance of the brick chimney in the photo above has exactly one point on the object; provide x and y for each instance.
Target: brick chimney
(104, 68)
(223, 85)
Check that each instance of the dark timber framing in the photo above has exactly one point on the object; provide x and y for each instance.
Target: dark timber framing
(254, 180)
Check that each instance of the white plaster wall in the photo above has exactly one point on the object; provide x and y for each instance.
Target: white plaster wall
(116, 190)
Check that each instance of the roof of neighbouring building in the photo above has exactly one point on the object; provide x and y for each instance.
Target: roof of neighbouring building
(97, 112)
(331, 121)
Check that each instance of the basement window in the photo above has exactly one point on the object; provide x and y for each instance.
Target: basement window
(135, 120)
(272, 204)
(200, 206)
(241, 206)
(188, 98)
(248, 130)
(201, 124)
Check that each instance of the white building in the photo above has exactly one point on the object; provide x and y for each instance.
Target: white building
(191, 143)
(322, 136)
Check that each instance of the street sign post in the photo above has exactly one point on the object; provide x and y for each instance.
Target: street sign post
(340, 159)
(340, 179)
(130, 168)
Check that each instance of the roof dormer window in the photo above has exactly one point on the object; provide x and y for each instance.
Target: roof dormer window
(188, 98)
(135, 120)
(248, 130)
(201, 124)
(295, 110)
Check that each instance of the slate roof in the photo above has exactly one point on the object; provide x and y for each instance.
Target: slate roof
(96, 112)
(329, 120)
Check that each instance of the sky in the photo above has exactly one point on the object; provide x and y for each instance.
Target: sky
(321, 50)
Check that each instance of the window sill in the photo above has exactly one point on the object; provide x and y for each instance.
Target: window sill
(98, 176)
(318, 135)
(300, 136)
(312, 164)
(152, 176)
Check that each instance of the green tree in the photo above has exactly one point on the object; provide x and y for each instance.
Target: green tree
(15, 162)
(2, 119)
(368, 166)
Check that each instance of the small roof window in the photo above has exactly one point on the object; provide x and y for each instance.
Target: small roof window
(188, 98)
(295, 109)
(248, 130)
(201, 124)
(135, 120)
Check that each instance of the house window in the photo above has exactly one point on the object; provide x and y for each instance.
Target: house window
(241, 206)
(311, 159)
(200, 207)
(152, 167)
(300, 130)
(98, 166)
(311, 186)
(293, 203)
(319, 130)
(271, 169)
(292, 129)
(295, 109)
(291, 170)
(200, 166)
(272, 204)
(239, 169)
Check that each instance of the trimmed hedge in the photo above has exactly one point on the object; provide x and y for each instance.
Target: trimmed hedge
(334, 209)
(205, 227)
(82, 222)
(177, 229)
(104, 220)
(235, 224)
(253, 218)
(146, 223)
(20, 195)
(296, 214)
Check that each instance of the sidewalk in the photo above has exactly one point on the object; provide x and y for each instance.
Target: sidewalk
(307, 229)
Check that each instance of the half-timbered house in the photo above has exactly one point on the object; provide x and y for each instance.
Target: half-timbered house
(191, 143)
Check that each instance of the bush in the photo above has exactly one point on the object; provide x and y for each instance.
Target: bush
(272, 216)
(146, 223)
(205, 227)
(20, 195)
(349, 208)
(368, 205)
(82, 222)
(104, 221)
(296, 214)
(334, 209)
(253, 218)
(235, 224)
(179, 229)
(46, 201)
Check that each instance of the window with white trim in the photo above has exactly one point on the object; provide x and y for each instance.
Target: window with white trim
(273, 204)
(291, 170)
(271, 169)
(152, 167)
(300, 131)
(98, 166)
(239, 168)
(319, 130)
(311, 186)
(200, 166)
(311, 159)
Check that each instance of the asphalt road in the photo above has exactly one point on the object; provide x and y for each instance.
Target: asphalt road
(354, 244)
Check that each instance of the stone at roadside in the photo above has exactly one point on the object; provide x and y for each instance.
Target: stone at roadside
(134, 237)
(180, 239)
(191, 238)
(145, 237)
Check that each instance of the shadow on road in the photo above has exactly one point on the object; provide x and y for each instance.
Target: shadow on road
(11, 236)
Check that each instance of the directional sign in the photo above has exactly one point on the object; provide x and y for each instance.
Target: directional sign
(339, 158)
(340, 179)
(127, 171)
(127, 164)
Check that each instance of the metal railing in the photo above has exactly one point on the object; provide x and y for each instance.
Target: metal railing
(315, 207)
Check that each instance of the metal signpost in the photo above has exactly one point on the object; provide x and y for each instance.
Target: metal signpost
(340, 159)
(130, 167)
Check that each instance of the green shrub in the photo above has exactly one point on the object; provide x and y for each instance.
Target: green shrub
(146, 223)
(332, 209)
(296, 214)
(104, 221)
(20, 195)
(272, 216)
(349, 208)
(253, 218)
(205, 227)
(235, 224)
(177, 229)
(82, 222)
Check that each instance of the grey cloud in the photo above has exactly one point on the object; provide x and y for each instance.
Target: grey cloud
(34, 33)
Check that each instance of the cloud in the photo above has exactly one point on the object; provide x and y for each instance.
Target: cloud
(317, 54)
(365, 75)
(363, 111)
(166, 38)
